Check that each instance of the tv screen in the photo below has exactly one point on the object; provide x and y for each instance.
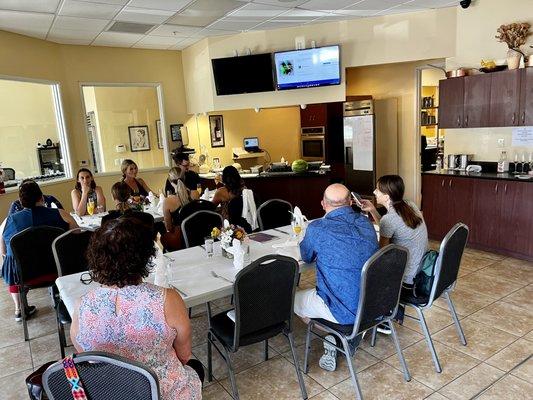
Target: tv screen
(308, 68)
(244, 74)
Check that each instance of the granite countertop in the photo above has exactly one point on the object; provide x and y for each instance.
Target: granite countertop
(308, 174)
(480, 175)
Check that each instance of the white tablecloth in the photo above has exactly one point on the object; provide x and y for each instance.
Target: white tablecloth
(94, 221)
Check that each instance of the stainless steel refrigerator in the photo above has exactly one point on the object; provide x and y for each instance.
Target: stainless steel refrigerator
(370, 142)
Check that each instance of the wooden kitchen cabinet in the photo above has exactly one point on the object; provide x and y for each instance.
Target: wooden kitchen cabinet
(516, 211)
(313, 115)
(486, 212)
(451, 101)
(505, 98)
(476, 113)
(526, 97)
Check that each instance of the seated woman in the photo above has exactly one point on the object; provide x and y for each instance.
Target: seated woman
(86, 192)
(121, 193)
(35, 213)
(133, 318)
(138, 186)
(403, 225)
(172, 205)
(229, 197)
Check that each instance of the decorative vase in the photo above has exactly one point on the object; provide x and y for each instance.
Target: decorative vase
(226, 254)
(513, 58)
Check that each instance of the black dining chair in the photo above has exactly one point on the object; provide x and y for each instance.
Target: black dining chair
(195, 205)
(197, 226)
(69, 253)
(103, 376)
(445, 277)
(264, 300)
(379, 293)
(274, 213)
(36, 267)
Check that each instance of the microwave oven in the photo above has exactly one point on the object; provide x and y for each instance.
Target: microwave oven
(313, 143)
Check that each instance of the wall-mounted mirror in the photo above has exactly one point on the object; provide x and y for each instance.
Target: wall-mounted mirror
(125, 121)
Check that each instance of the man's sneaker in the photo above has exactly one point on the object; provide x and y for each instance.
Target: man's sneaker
(30, 310)
(382, 328)
(329, 360)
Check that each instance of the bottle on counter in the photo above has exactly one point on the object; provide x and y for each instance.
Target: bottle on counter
(503, 163)
(439, 163)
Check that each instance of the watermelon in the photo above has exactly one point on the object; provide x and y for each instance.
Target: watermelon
(299, 166)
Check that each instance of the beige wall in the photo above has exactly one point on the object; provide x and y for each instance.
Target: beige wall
(27, 117)
(278, 130)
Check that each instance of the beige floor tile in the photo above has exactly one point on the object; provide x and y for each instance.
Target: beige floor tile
(215, 392)
(521, 298)
(472, 382)
(243, 359)
(274, 379)
(508, 388)
(507, 317)
(465, 302)
(483, 341)
(491, 286)
(519, 263)
(384, 347)
(42, 323)
(436, 396)
(529, 336)
(11, 333)
(44, 349)
(512, 355)
(515, 272)
(420, 363)
(436, 318)
(484, 254)
(14, 359)
(280, 342)
(474, 262)
(525, 370)
(200, 326)
(380, 382)
(13, 387)
(325, 395)
(327, 379)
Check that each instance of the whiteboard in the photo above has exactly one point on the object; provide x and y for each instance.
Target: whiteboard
(361, 128)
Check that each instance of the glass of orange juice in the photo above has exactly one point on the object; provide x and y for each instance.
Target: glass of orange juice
(90, 207)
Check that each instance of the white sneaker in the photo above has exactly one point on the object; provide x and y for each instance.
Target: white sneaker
(329, 360)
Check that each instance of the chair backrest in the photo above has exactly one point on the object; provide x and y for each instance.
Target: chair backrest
(449, 260)
(9, 174)
(32, 249)
(103, 376)
(195, 205)
(273, 214)
(69, 251)
(264, 295)
(197, 226)
(381, 282)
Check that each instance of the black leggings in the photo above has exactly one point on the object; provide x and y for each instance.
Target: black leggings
(198, 368)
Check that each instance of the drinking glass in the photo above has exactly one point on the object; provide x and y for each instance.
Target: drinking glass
(99, 209)
(515, 163)
(246, 250)
(90, 207)
(209, 244)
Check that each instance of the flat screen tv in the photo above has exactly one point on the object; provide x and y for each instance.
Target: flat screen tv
(244, 74)
(308, 68)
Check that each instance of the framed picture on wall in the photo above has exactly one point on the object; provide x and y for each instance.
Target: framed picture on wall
(216, 129)
(139, 138)
(175, 132)
(159, 133)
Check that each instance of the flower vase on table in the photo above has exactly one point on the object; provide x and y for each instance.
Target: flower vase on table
(226, 236)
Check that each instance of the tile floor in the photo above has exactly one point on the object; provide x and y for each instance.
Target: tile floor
(494, 299)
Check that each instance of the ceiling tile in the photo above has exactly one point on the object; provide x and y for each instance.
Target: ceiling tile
(184, 43)
(235, 24)
(26, 23)
(214, 32)
(274, 24)
(161, 42)
(300, 15)
(44, 6)
(283, 3)
(143, 15)
(433, 3)
(168, 5)
(58, 33)
(115, 2)
(257, 11)
(326, 5)
(75, 8)
(205, 12)
(80, 42)
(80, 24)
(370, 7)
(117, 39)
(175, 30)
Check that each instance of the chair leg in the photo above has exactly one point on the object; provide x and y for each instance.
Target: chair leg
(297, 366)
(231, 374)
(62, 339)
(266, 349)
(23, 305)
(429, 342)
(406, 373)
(353, 375)
(190, 312)
(307, 348)
(374, 335)
(209, 360)
(458, 327)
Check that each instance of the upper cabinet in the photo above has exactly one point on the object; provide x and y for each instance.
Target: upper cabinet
(489, 100)
(314, 115)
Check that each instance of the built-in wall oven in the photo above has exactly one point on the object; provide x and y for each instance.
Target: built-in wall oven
(313, 143)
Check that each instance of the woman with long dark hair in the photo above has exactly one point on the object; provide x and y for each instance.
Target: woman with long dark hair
(229, 198)
(86, 192)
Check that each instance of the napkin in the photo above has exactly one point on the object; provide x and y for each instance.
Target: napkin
(238, 253)
(205, 196)
(160, 205)
(300, 218)
(151, 199)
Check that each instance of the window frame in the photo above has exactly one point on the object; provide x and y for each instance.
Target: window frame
(60, 124)
(166, 145)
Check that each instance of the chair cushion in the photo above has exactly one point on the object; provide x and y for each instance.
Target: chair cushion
(62, 314)
(411, 299)
(224, 329)
(344, 329)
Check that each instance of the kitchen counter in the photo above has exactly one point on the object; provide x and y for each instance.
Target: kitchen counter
(479, 175)
(307, 174)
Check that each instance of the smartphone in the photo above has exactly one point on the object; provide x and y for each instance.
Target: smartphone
(357, 199)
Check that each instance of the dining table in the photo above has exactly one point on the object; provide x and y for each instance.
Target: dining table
(93, 222)
(197, 277)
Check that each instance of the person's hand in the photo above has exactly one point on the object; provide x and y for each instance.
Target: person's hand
(85, 188)
(218, 179)
(366, 205)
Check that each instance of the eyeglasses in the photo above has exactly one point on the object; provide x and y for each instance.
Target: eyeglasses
(86, 278)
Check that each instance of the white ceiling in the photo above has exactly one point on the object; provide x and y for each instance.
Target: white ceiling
(180, 23)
